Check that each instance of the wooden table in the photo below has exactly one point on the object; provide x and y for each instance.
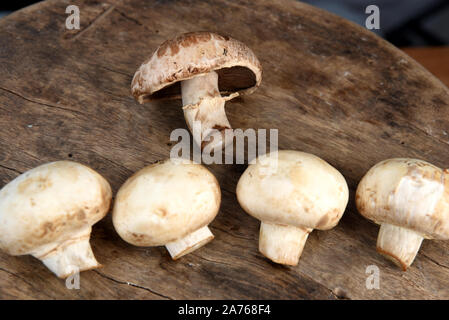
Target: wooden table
(332, 89)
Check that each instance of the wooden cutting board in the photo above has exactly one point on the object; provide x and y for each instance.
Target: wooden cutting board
(331, 88)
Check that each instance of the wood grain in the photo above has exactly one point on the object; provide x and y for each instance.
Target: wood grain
(330, 87)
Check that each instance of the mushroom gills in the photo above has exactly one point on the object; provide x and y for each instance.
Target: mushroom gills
(282, 243)
(203, 103)
(189, 243)
(70, 257)
(398, 244)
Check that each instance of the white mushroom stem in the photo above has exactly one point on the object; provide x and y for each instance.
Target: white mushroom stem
(189, 243)
(203, 103)
(398, 244)
(70, 257)
(281, 243)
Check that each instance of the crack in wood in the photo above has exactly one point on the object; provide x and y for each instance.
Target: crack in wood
(134, 20)
(41, 103)
(129, 75)
(117, 71)
(342, 295)
(124, 15)
(19, 277)
(10, 169)
(434, 261)
(428, 134)
(232, 234)
(132, 285)
(94, 22)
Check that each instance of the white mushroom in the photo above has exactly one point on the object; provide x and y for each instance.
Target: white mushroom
(48, 212)
(409, 198)
(169, 203)
(212, 69)
(292, 193)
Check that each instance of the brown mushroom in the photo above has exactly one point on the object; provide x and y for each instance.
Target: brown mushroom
(208, 69)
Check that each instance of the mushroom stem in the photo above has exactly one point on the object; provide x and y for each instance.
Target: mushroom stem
(189, 243)
(398, 244)
(202, 102)
(70, 257)
(281, 243)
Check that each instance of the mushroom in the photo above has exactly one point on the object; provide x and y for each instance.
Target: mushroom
(409, 198)
(48, 212)
(292, 193)
(169, 203)
(211, 69)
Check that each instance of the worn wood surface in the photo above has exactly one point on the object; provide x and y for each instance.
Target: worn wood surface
(330, 87)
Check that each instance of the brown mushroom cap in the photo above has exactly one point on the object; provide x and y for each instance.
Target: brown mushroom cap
(192, 54)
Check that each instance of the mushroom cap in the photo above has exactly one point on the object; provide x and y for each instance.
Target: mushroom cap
(408, 193)
(50, 204)
(294, 188)
(192, 54)
(166, 201)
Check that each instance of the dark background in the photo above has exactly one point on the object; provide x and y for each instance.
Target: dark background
(402, 22)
